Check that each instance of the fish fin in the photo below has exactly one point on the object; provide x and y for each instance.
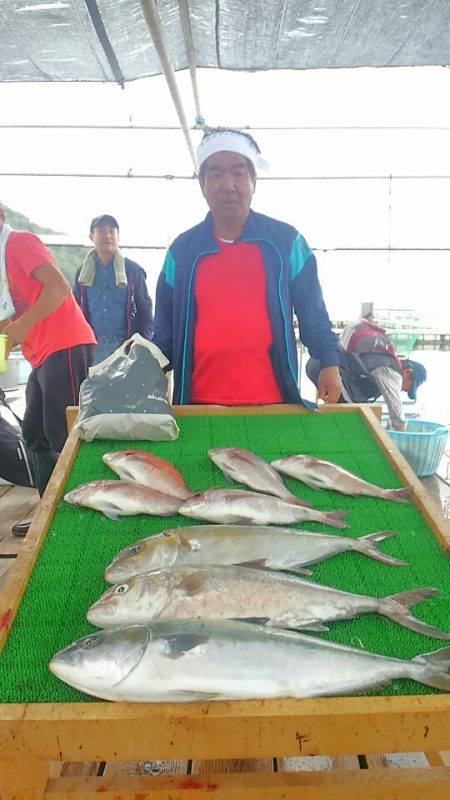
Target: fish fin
(317, 627)
(298, 568)
(400, 495)
(258, 563)
(184, 541)
(252, 620)
(435, 670)
(241, 521)
(181, 643)
(192, 584)
(367, 546)
(298, 502)
(399, 613)
(334, 518)
(179, 695)
(114, 515)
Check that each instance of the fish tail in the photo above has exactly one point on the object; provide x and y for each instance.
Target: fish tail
(396, 607)
(334, 519)
(367, 545)
(433, 669)
(400, 495)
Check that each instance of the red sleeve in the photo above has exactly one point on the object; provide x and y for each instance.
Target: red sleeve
(27, 252)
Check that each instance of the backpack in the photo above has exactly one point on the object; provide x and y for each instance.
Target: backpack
(365, 337)
(16, 465)
(363, 346)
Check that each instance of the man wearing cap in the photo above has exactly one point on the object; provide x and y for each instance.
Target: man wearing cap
(112, 290)
(229, 287)
(370, 368)
(45, 320)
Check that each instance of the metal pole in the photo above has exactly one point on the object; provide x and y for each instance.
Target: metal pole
(154, 26)
(191, 57)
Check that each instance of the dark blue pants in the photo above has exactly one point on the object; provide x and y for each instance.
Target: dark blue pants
(51, 387)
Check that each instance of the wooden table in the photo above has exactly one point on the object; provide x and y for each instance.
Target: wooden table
(34, 735)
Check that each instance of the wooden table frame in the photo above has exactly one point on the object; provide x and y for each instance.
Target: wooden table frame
(32, 735)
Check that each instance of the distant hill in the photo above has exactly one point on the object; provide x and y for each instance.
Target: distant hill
(68, 259)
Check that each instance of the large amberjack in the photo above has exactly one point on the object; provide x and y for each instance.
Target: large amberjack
(325, 475)
(150, 470)
(228, 592)
(250, 545)
(245, 467)
(252, 508)
(186, 660)
(122, 498)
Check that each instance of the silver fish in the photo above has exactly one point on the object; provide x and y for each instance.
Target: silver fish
(325, 475)
(122, 498)
(148, 469)
(250, 508)
(245, 467)
(228, 592)
(247, 545)
(186, 660)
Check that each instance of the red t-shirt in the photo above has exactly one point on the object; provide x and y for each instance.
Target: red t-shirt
(232, 333)
(66, 326)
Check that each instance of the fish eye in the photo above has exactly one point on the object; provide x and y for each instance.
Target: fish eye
(121, 589)
(136, 548)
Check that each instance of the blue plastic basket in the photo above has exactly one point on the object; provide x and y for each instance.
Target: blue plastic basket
(422, 444)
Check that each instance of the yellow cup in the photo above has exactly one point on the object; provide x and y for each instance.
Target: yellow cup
(3, 340)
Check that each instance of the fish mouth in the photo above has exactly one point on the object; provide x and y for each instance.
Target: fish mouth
(71, 498)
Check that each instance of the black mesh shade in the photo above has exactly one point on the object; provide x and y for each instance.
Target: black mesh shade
(108, 40)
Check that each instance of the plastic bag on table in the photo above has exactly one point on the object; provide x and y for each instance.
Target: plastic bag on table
(124, 397)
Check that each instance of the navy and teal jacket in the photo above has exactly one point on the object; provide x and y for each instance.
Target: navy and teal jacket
(291, 285)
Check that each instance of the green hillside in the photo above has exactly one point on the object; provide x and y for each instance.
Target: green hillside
(68, 259)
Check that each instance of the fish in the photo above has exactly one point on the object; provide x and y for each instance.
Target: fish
(189, 660)
(325, 475)
(149, 470)
(251, 508)
(245, 467)
(122, 498)
(229, 592)
(246, 545)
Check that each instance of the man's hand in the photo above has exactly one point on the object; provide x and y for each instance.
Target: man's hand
(329, 385)
(16, 332)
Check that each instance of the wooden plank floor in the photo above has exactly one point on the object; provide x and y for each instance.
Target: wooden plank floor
(16, 503)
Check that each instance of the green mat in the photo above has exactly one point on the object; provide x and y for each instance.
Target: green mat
(68, 575)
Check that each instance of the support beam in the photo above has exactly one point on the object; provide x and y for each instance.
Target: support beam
(154, 26)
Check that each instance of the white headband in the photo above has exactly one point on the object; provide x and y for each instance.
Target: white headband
(229, 142)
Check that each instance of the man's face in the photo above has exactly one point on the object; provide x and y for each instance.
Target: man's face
(228, 186)
(407, 379)
(105, 238)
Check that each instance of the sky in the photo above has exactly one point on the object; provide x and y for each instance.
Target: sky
(329, 213)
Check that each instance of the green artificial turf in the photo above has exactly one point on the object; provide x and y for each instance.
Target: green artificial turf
(68, 575)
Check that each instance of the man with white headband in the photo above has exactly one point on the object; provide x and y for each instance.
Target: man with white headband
(228, 289)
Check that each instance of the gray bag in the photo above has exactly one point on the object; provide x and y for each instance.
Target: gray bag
(125, 396)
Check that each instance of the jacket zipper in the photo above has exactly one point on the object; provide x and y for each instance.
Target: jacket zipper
(194, 267)
(268, 241)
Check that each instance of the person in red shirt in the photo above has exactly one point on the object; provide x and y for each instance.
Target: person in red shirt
(55, 339)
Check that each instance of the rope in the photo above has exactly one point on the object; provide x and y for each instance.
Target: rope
(130, 174)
